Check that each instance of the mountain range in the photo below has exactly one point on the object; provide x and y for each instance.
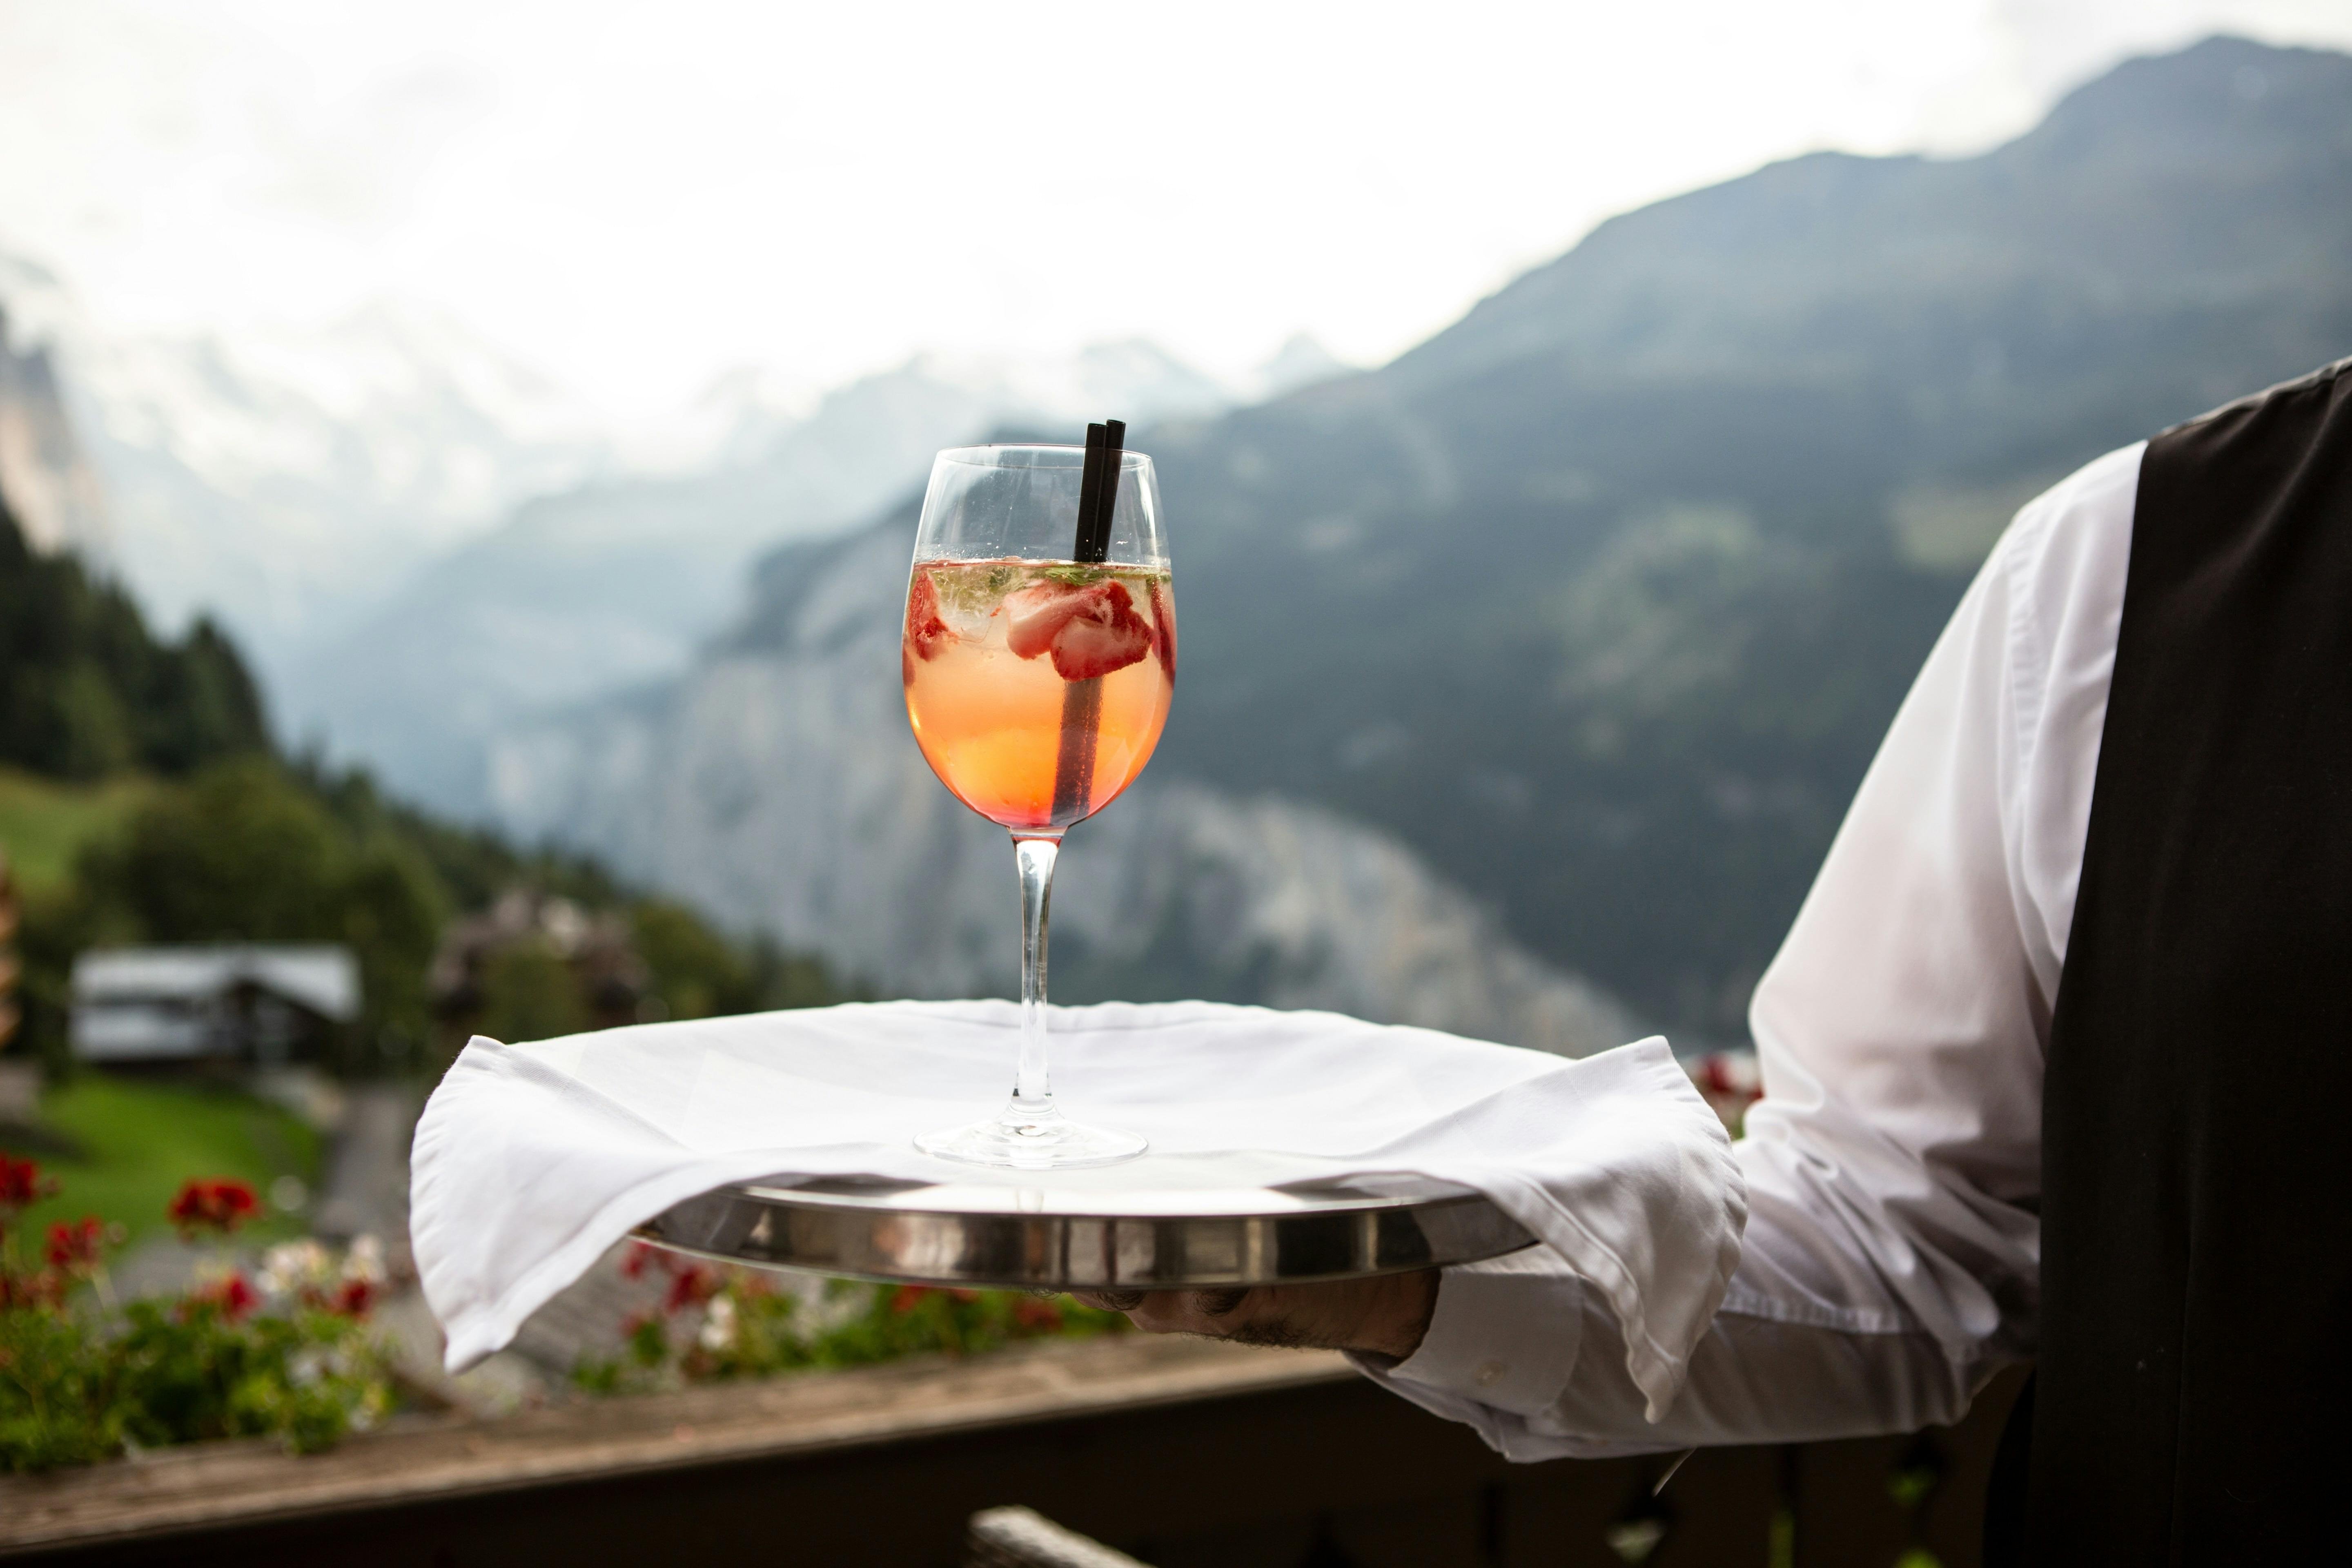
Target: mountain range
(1599, 600)
(775, 785)
(46, 481)
(620, 580)
(282, 481)
(419, 539)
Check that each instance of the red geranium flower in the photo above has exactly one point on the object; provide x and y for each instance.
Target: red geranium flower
(1041, 1317)
(229, 1296)
(352, 1298)
(689, 1287)
(906, 1296)
(46, 1287)
(213, 1204)
(21, 1182)
(76, 1248)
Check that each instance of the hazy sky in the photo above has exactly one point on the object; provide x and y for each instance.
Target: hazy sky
(638, 197)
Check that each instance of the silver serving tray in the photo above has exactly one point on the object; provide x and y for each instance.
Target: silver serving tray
(869, 1228)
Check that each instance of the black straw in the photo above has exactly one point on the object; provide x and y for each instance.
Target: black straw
(1099, 491)
(1089, 480)
(1073, 766)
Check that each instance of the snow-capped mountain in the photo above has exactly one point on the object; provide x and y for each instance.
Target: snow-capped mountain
(46, 478)
(418, 539)
(289, 478)
(1300, 362)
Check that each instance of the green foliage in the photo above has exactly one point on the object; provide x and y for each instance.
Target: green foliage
(234, 845)
(189, 1371)
(915, 1319)
(82, 1379)
(137, 1141)
(85, 690)
(59, 1400)
(718, 1324)
(57, 922)
(241, 855)
(250, 850)
(46, 823)
(782, 979)
(473, 866)
(76, 1388)
(529, 993)
(245, 852)
(698, 973)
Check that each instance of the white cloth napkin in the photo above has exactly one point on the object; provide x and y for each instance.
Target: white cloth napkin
(532, 1159)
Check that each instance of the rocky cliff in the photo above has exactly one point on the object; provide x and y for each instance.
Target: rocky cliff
(1600, 600)
(45, 480)
(1607, 593)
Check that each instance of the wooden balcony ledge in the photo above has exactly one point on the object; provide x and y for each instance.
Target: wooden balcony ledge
(1184, 1453)
(212, 1486)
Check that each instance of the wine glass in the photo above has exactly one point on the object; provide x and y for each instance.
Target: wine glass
(1039, 658)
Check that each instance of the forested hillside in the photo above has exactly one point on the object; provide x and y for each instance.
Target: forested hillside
(85, 690)
(146, 768)
(1594, 605)
(1602, 597)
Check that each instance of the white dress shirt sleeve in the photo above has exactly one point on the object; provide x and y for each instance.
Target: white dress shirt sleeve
(1891, 1254)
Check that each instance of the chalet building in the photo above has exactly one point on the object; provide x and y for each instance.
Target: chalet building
(604, 980)
(233, 1004)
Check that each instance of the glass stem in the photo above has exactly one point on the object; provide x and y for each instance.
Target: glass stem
(1032, 1091)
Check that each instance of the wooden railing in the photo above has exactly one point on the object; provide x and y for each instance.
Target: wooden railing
(1182, 1453)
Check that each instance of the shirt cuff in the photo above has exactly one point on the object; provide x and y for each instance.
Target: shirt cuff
(1503, 1334)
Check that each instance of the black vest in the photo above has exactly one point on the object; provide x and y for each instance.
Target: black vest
(2194, 1396)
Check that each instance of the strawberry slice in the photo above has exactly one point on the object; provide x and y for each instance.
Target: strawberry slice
(1107, 635)
(1164, 627)
(1090, 631)
(926, 631)
(1034, 614)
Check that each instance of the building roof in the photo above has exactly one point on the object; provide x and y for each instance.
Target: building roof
(321, 976)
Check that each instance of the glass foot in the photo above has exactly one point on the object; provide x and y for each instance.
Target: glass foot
(1020, 1142)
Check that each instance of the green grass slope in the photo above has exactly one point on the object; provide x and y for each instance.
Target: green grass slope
(138, 1141)
(45, 823)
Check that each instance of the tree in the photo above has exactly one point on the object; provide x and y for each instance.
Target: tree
(86, 690)
(246, 852)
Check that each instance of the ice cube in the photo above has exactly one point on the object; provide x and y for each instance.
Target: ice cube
(971, 597)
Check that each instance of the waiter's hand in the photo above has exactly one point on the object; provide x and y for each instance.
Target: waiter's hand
(1386, 1315)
